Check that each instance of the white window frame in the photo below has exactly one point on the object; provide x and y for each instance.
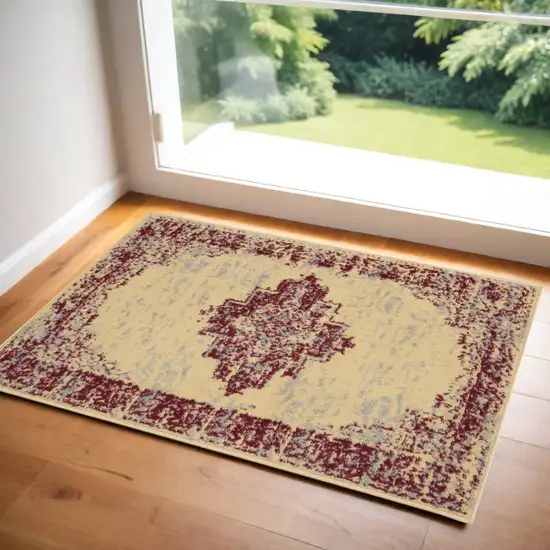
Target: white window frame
(140, 69)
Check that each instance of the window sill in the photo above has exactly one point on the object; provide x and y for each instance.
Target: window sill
(435, 188)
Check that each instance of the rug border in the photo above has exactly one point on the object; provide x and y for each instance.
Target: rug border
(254, 459)
(164, 434)
(494, 443)
(327, 244)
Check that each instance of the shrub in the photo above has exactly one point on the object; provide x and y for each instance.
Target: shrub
(537, 113)
(301, 105)
(241, 110)
(345, 72)
(362, 36)
(275, 108)
(417, 83)
(315, 77)
(411, 82)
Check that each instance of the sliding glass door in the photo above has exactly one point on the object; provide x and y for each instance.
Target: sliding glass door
(433, 108)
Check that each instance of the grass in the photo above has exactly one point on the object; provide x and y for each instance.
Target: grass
(469, 138)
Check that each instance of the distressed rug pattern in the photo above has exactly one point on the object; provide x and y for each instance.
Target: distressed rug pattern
(372, 373)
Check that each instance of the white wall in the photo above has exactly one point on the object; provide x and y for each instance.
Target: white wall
(56, 133)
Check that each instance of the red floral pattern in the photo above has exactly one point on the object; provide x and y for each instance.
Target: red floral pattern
(273, 331)
(46, 357)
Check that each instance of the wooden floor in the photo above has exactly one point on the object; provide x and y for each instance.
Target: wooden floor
(68, 482)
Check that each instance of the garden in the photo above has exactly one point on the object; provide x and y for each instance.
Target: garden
(469, 93)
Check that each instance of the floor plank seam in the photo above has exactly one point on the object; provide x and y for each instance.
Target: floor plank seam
(536, 356)
(531, 396)
(524, 443)
(92, 470)
(425, 535)
(254, 526)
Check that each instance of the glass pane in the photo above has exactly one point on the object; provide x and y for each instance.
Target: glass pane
(474, 94)
(444, 116)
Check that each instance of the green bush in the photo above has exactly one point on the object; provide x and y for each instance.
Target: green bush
(241, 110)
(301, 105)
(219, 43)
(363, 36)
(296, 104)
(537, 113)
(345, 72)
(315, 77)
(416, 83)
(275, 108)
(520, 52)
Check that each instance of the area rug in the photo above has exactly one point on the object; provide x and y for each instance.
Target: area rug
(372, 373)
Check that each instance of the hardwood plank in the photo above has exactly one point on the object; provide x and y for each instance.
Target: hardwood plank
(17, 473)
(533, 378)
(538, 341)
(295, 507)
(521, 470)
(513, 513)
(66, 508)
(527, 419)
(9, 542)
(543, 309)
(503, 524)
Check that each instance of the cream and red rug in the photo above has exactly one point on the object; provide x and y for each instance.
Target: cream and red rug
(376, 374)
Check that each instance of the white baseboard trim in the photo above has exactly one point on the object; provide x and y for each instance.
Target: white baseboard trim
(24, 260)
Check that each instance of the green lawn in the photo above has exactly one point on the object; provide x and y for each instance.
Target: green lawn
(463, 137)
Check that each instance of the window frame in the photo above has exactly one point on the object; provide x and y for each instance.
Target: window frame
(409, 9)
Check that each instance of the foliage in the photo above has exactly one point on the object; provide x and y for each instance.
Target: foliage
(345, 71)
(220, 43)
(295, 104)
(287, 34)
(358, 36)
(434, 31)
(520, 52)
(315, 77)
(537, 113)
(416, 83)
(276, 109)
(241, 110)
(301, 105)
(264, 53)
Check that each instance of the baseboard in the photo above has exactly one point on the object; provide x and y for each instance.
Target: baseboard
(24, 260)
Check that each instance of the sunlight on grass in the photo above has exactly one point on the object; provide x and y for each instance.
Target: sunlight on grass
(456, 136)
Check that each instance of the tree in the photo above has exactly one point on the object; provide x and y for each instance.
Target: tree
(520, 52)
(357, 36)
(290, 37)
(209, 33)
